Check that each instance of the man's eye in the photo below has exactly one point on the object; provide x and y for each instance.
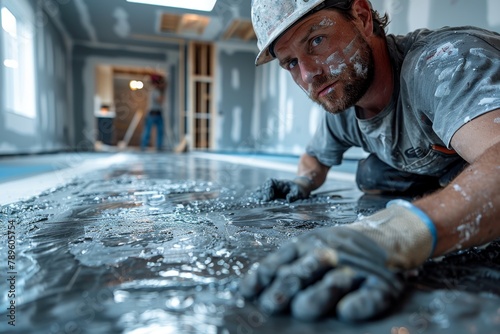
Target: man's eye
(317, 40)
(291, 64)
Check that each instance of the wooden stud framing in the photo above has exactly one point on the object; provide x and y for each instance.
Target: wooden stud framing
(202, 102)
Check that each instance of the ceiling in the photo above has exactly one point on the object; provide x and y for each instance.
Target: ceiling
(119, 22)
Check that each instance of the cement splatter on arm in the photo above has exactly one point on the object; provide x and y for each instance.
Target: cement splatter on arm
(466, 212)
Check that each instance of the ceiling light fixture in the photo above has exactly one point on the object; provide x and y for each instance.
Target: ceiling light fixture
(202, 5)
(136, 84)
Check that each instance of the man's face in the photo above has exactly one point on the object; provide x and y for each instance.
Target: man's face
(328, 58)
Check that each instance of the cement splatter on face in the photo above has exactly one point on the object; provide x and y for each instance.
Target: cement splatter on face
(361, 70)
(348, 49)
(336, 70)
(351, 79)
(336, 64)
(327, 22)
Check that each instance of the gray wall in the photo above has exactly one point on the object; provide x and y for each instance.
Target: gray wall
(235, 99)
(50, 129)
(407, 15)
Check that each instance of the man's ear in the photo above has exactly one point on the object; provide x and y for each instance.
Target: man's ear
(362, 11)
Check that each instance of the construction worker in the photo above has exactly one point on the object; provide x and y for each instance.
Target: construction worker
(154, 116)
(426, 106)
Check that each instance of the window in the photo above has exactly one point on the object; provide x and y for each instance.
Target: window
(18, 61)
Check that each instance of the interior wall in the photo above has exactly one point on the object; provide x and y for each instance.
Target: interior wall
(235, 84)
(50, 128)
(408, 15)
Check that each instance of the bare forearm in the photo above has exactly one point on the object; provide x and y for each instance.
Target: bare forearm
(311, 168)
(467, 212)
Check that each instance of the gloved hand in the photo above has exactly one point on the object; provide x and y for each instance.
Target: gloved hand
(353, 271)
(299, 188)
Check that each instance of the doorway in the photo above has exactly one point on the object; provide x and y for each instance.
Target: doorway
(121, 103)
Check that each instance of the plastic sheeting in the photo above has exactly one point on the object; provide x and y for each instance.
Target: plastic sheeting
(157, 244)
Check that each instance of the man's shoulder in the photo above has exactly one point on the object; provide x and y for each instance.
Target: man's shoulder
(444, 47)
(429, 37)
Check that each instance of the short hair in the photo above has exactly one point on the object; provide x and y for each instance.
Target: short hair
(380, 22)
(157, 79)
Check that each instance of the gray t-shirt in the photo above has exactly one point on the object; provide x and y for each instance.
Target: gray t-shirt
(443, 79)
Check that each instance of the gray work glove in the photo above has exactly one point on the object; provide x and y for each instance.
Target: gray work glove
(290, 190)
(353, 271)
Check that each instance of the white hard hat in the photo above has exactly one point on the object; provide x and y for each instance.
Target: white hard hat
(271, 18)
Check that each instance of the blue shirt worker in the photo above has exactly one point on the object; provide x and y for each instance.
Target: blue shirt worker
(154, 118)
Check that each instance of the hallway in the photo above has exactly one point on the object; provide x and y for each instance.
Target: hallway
(156, 243)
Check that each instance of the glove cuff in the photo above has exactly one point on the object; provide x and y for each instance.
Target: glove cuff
(422, 215)
(303, 181)
(404, 231)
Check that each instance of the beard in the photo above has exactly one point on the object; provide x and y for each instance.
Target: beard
(352, 83)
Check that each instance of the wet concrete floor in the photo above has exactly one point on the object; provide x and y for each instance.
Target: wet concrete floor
(157, 244)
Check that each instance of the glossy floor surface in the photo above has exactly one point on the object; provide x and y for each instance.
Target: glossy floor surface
(156, 243)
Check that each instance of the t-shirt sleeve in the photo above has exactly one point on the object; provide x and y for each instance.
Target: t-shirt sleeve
(457, 78)
(334, 135)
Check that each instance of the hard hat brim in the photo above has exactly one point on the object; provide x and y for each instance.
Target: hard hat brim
(264, 56)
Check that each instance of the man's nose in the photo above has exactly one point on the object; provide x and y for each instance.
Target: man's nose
(309, 69)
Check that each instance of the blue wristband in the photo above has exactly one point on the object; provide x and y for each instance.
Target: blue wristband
(422, 215)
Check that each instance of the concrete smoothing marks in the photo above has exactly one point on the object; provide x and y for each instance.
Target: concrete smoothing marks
(159, 242)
